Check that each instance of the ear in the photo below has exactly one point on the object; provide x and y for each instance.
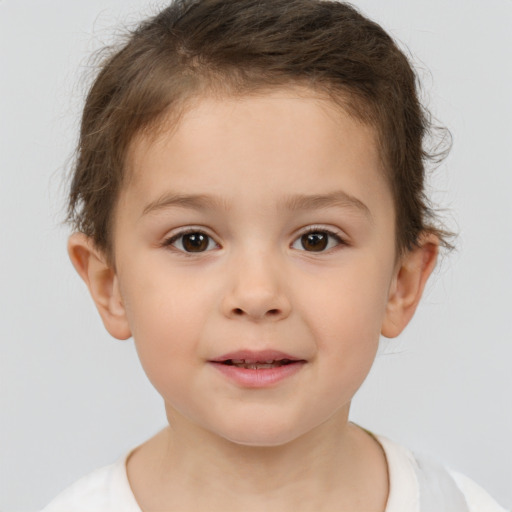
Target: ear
(103, 284)
(413, 271)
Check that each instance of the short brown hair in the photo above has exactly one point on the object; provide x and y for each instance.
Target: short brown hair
(238, 46)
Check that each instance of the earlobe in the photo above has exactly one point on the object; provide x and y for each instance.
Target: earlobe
(103, 284)
(408, 284)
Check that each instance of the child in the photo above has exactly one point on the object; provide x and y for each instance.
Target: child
(249, 205)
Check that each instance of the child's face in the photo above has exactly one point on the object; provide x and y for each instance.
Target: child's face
(250, 177)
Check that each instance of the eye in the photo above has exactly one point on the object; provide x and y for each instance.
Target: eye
(191, 241)
(317, 240)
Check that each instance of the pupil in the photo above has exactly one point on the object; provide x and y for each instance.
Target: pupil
(314, 241)
(195, 242)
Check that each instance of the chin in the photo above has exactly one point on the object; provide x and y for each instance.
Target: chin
(261, 441)
(262, 435)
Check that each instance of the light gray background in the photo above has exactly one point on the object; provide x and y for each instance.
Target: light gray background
(72, 399)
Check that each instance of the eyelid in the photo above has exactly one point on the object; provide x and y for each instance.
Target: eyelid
(335, 233)
(170, 239)
(176, 235)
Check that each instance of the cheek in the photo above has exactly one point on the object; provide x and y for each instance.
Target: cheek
(166, 317)
(345, 317)
(352, 303)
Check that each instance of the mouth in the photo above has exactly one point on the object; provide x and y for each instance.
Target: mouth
(257, 359)
(250, 364)
(261, 369)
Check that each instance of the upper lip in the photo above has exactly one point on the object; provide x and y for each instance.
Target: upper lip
(255, 356)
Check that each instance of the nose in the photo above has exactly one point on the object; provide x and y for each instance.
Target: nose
(256, 289)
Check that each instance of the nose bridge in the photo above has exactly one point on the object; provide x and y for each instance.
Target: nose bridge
(256, 284)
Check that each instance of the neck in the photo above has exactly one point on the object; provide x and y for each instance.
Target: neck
(187, 468)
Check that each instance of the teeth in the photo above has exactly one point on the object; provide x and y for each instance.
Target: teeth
(252, 364)
(252, 361)
(256, 365)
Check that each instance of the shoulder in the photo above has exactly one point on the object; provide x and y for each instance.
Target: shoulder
(104, 490)
(418, 483)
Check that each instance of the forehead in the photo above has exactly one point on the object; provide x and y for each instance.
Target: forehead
(256, 148)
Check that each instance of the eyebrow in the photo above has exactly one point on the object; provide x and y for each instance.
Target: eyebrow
(297, 202)
(338, 198)
(191, 201)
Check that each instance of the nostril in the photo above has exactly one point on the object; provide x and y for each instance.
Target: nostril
(270, 312)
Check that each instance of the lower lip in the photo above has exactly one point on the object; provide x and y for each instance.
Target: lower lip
(260, 378)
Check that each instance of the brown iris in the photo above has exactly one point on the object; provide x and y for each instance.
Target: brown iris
(195, 242)
(314, 241)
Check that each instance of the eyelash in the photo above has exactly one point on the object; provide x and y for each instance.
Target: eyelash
(169, 242)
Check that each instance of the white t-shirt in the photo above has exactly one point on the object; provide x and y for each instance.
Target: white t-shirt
(108, 490)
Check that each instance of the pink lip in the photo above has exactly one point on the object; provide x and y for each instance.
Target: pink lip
(261, 377)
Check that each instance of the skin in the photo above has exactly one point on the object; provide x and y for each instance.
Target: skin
(257, 286)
